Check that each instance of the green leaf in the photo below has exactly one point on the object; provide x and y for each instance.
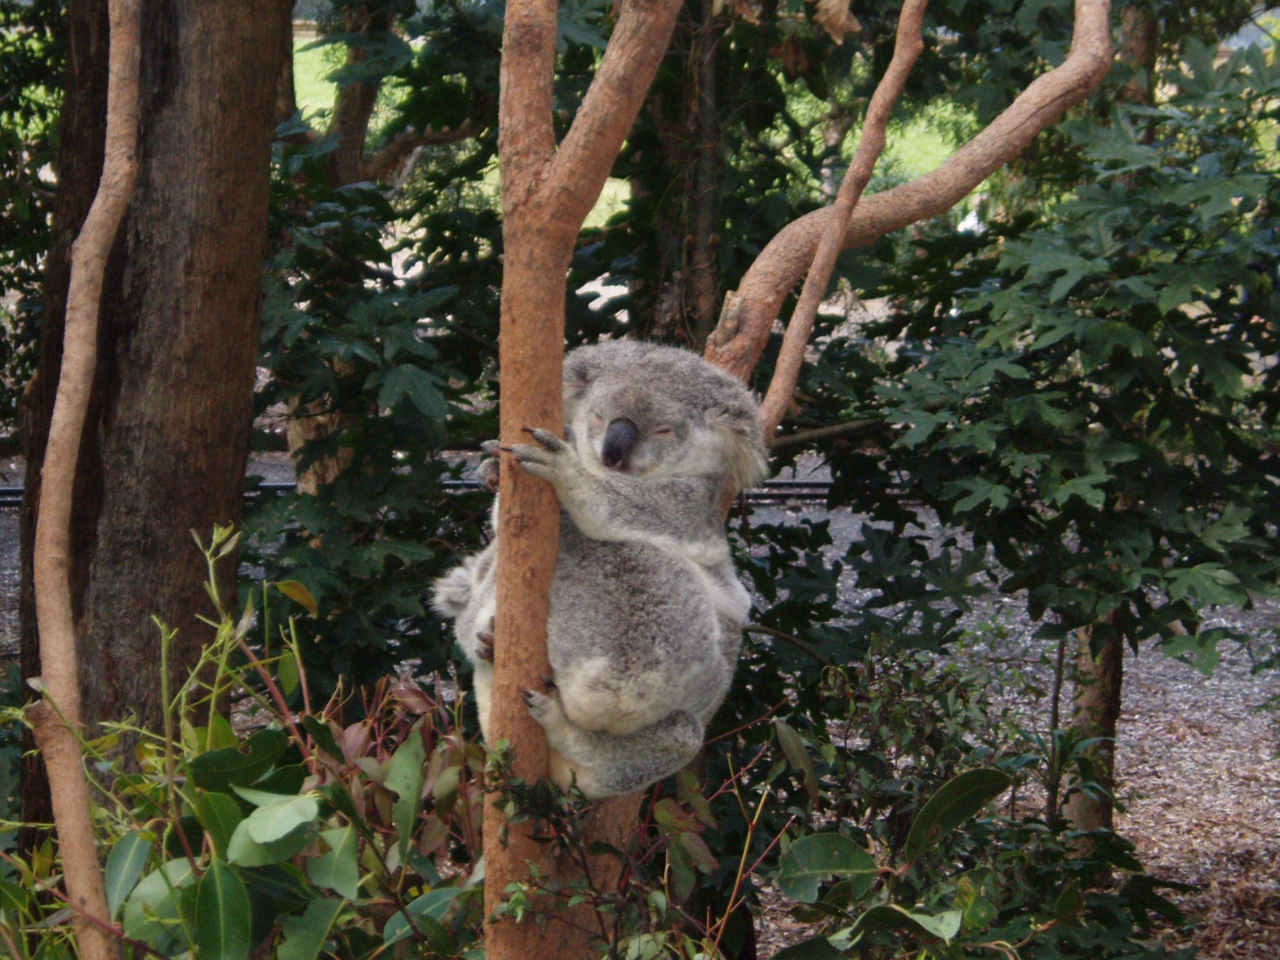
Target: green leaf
(222, 914)
(277, 814)
(151, 913)
(298, 593)
(811, 860)
(955, 802)
(287, 671)
(339, 869)
(124, 867)
(323, 737)
(419, 386)
(431, 905)
(220, 769)
(1070, 902)
(305, 934)
(219, 814)
(243, 851)
(405, 779)
(888, 917)
(793, 747)
(220, 734)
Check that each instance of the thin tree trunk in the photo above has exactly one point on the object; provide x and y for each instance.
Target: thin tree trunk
(1099, 679)
(57, 721)
(83, 129)
(1096, 711)
(704, 271)
(547, 191)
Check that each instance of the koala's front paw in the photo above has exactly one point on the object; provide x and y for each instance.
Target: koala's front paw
(487, 469)
(547, 709)
(484, 643)
(551, 460)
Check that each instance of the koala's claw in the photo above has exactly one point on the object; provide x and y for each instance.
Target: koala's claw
(539, 705)
(547, 439)
(484, 645)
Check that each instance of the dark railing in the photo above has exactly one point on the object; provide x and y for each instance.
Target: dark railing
(772, 492)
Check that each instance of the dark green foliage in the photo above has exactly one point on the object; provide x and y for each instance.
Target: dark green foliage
(32, 51)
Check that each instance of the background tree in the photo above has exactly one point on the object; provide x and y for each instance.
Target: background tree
(169, 418)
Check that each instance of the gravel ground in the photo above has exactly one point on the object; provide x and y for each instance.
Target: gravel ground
(1198, 764)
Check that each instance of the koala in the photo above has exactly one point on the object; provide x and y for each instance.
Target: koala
(646, 611)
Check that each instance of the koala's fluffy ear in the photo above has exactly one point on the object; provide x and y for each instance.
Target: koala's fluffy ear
(746, 459)
(581, 368)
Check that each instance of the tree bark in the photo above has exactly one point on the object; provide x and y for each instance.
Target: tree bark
(1096, 711)
(57, 721)
(908, 46)
(547, 192)
(748, 314)
(83, 129)
(165, 449)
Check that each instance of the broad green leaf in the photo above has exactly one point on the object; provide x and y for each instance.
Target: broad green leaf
(219, 814)
(220, 734)
(298, 593)
(323, 737)
(813, 859)
(277, 814)
(124, 867)
(223, 917)
(244, 851)
(1070, 902)
(151, 913)
(339, 869)
(944, 926)
(305, 934)
(419, 386)
(405, 779)
(220, 769)
(955, 802)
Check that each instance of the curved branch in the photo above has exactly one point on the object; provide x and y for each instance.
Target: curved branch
(58, 736)
(636, 48)
(749, 313)
(391, 157)
(907, 48)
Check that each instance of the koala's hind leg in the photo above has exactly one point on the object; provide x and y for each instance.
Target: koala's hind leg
(610, 764)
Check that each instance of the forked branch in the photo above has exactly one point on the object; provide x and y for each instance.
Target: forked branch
(58, 663)
(748, 315)
(906, 50)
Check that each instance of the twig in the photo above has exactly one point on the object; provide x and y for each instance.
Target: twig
(794, 641)
(907, 48)
(838, 431)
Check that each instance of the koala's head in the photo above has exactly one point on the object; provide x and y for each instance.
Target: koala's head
(655, 411)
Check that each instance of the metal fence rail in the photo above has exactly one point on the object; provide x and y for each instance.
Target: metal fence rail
(772, 492)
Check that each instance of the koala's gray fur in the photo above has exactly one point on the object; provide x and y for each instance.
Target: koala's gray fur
(646, 608)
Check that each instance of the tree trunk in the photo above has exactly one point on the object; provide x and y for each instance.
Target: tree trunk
(165, 450)
(83, 127)
(1098, 680)
(1096, 710)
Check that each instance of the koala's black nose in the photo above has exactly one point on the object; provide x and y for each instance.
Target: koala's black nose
(619, 440)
